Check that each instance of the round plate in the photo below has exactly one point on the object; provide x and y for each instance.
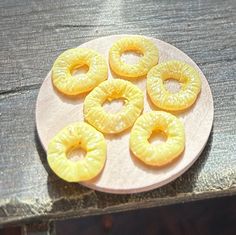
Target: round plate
(123, 173)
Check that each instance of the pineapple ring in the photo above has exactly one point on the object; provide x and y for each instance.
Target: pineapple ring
(138, 44)
(71, 59)
(79, 134)
(109, 90)
(163, 153)
(187, 76)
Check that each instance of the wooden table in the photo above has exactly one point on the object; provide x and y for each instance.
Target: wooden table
(34, 33)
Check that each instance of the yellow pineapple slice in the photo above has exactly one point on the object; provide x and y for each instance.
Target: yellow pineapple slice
(188, 78)
(138, 44)
(163, 153)
(112, 89)
(76, 135)
(72, 59)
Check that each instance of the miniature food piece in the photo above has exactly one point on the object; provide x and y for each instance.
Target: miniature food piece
(72, 59)
(188, 78)
(138, 44)
(112, 89)
(163, 153)
(79, 134)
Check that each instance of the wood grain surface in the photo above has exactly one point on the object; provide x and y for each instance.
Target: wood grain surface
(34, 33)
(123, 173)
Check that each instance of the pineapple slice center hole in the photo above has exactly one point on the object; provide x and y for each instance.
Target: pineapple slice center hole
(114, 105)
(131, 57)
(80, 69)
(76, 154)
(172, 85)
(157, 137)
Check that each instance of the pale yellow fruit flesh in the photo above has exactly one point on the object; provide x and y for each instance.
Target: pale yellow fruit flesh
(64, 65)
(111, 89)
(82, 135)
(163, 153)
(138, 44)
(186, 75)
